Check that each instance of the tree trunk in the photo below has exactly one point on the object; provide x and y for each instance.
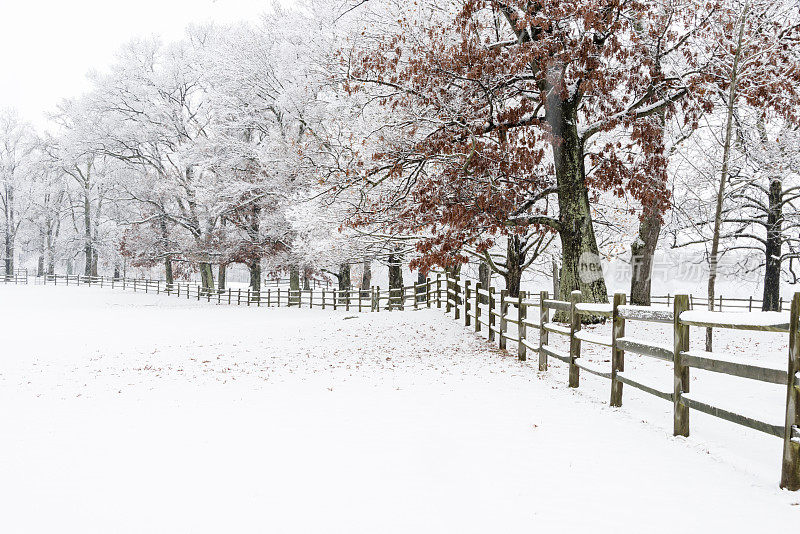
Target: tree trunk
(40, 263)
(116, 272)
(772, 270)
(9, 263)
(221, 273)
(726, 150)
(419, 293)
(515, 259)
(165, 243)
(207, 277)
(581, 267)
(556, 277)
(366, 278)
(94, 262)
(69, 267)
(51, 251)
(255, 275)
(88, 249)
(484, 277)
(167, 271)
(10, 225)
(395, 282)
(294, 285)
(642, 252)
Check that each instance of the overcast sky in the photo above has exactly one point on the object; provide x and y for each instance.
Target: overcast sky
(49, 46)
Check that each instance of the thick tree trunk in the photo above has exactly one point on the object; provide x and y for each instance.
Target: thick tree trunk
(515, 259)
(581, 269)
(395, 282)
(642, 252)
(344, 281)
(167, 271)
(116, 272)
(221, 276)
(419, 293)
(207, 277)
(94, 262)
(70, 267)
(484, 277)
(772, 270)
(255, 275)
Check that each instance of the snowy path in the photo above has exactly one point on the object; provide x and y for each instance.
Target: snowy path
(135, 413)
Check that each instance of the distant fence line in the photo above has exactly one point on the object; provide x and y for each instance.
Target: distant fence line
(481, 307)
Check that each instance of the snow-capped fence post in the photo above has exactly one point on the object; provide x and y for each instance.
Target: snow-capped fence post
(447, 289)
(467, 295)
(456, 301)
(750, 304)
(428, 291)
(477, 305)
(617, 355)
(377, 298)
(544, 318)
(248, 296)
(680, 371)
(438, 290)
(503, 322)
(790, 472)
(522, 316)
(491, 313)
(574, 342)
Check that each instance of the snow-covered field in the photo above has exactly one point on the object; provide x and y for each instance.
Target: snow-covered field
(140, 413)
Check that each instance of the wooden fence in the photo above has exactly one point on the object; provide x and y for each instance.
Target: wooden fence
(481, 307)
(354, 299)
(533, 315)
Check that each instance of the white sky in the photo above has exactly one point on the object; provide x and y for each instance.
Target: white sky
(49, 46)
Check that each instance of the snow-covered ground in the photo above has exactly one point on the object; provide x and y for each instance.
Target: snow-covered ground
(128, 412)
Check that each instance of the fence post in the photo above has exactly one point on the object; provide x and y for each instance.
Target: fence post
(456, 307)
(680, 372)
(503, 322)
(477, 304)
(377, 298)
(467, 296)
(522, 331)
(544, 318)
(574, 343)
(414, 295)
(750, 304)
(438, 290)
(323, 298)
(428, 291)
(491, 312)
(790, 473)
(447, 286)
(617, 356)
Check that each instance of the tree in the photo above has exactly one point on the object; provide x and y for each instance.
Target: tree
(497, 105)
(18, 144)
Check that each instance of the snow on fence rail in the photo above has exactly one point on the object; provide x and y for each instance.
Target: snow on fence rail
(481, 308)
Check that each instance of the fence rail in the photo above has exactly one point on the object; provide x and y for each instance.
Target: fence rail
(475, 308)
(485, 309)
